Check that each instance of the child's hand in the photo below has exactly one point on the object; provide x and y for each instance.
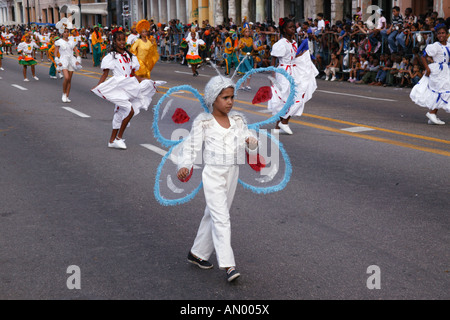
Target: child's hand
(183, 173)
(252, 143)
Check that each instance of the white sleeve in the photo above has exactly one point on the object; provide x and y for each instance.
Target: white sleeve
(135, 63)
(431, 50)
(107, 62)
(192, 145)
(20, 47)
(278, 49)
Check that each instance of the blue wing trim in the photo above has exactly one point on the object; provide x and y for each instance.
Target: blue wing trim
(286, 178)
(157, 191)
(289, 101)
(166, 142)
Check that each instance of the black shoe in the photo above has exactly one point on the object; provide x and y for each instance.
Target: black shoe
(203, 264)
(232, 274)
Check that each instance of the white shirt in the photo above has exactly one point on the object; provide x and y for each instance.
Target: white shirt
(222, 146)
(121, 65)
(285, 51)
(65, 47)
(193, 46)
(26, 48)
(132, 38)
(320, 25)
(44, 38)
(381, 23)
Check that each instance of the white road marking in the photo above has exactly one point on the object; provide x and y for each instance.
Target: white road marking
(357, 129)
(190, 73)
(78, 113)
(154, 149)
(19, 87)
(357, 96)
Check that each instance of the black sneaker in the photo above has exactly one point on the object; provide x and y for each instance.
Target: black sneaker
(232, 274)
(200, 262)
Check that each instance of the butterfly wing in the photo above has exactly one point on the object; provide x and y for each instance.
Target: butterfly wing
(168, 189)
(265, 84)
(269, 170)
(175, 112)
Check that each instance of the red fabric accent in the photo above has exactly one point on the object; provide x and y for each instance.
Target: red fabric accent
(188, 177)
(264, 94)
(259, 159)
(180, 116)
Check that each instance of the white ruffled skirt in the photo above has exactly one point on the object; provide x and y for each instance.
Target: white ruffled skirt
(433, 92)
(69, 63)
(304, 73)
(126, 93)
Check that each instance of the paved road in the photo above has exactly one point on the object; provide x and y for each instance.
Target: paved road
(370, 187)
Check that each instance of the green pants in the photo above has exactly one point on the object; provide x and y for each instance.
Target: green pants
(52, 71)
(369, 76)
(232, 58)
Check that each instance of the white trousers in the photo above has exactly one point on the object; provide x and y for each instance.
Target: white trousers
(214, 232)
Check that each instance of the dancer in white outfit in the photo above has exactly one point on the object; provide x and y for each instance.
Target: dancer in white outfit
(433, 90)
(300, 67)
(66, 62)
(224, 133)
(129, 93)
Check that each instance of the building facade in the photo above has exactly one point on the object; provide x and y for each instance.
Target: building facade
(14, 12)
(216, 12)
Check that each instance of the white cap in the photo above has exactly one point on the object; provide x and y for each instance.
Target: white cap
(214, 87)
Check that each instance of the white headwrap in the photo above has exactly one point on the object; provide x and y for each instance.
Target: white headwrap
(63, 24)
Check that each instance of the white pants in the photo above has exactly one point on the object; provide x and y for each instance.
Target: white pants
(331, 70)
(214, 233)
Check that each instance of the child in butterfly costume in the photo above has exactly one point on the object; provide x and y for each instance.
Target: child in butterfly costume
(228, 141)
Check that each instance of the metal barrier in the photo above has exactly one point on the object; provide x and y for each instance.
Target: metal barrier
(323, 46)
(419, 34)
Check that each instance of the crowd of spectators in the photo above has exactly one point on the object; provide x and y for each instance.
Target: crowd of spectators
(386, 53)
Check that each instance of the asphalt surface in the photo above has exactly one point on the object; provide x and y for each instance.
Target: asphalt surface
(376, 197)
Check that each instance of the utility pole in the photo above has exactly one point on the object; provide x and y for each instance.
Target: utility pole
(28, 14)
(79, 7)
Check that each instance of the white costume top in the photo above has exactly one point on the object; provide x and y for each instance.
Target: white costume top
(45, 39)
(26, 48)
(223, 147)
(66, 54)
(123, 89)
(193, 46)
(75, 40)
(8, 36)
(433, 92)
(132, 38)
(301, 69)
(120, 64)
